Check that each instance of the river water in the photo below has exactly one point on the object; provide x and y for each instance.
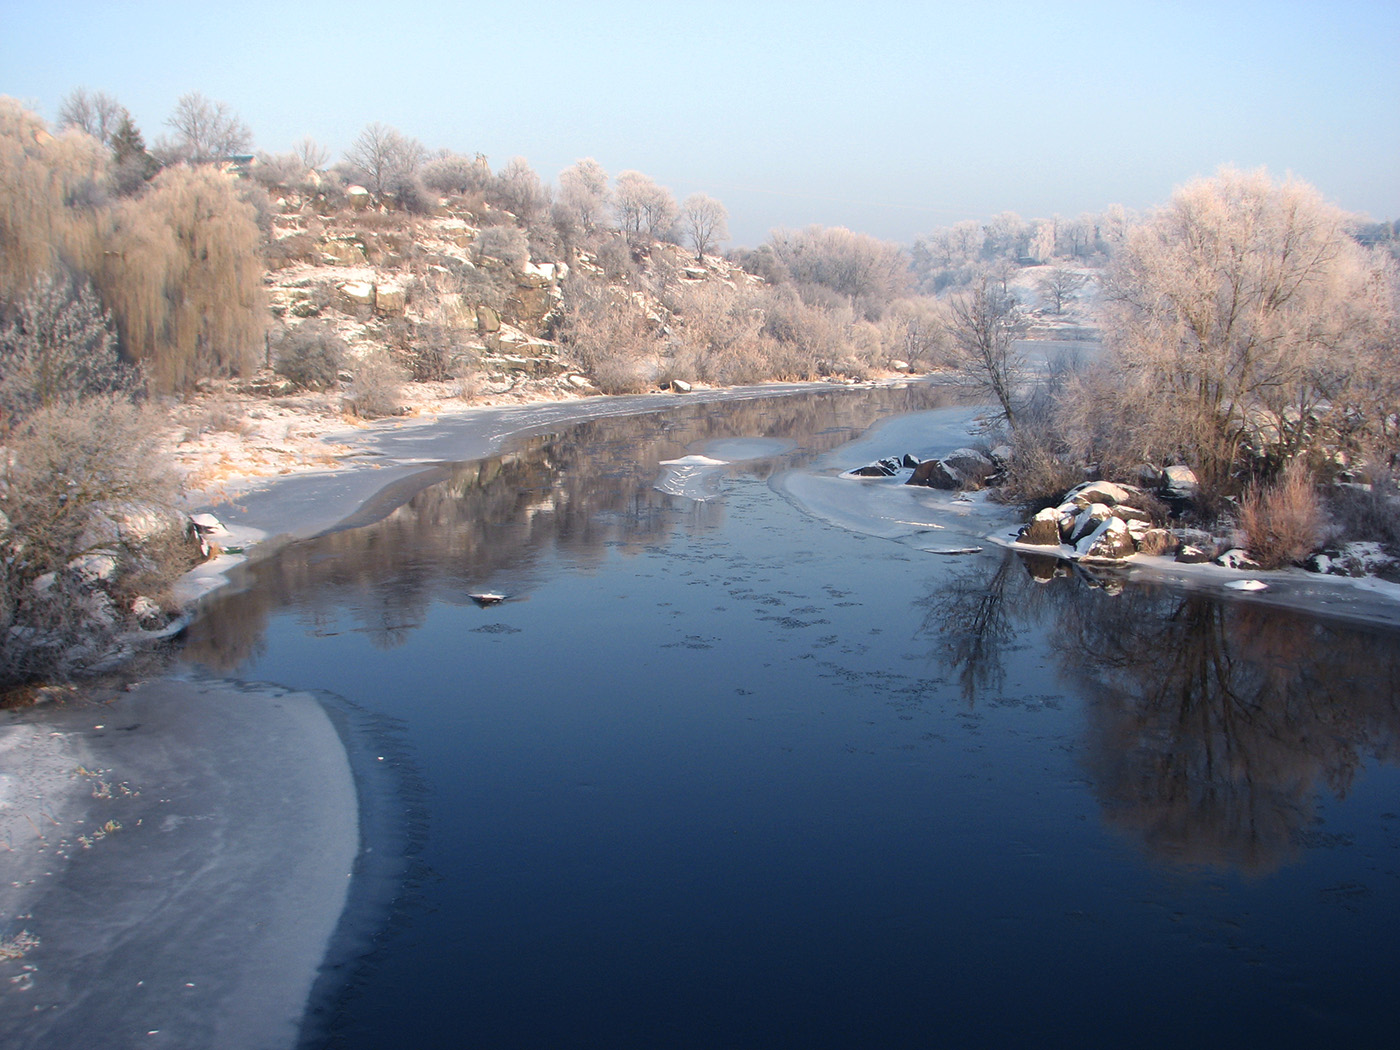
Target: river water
(747, 758)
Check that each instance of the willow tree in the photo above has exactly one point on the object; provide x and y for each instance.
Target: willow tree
(44, 180)
(1233, 316)
(181, 271)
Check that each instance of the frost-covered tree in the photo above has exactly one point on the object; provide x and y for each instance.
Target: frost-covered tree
(645, 211)
(57, 346)
(705, 222)
(383, 158)
(94, 112)
(985, 324)
(583, 193)
(206, 130)
(1242, 313)
(865, 271)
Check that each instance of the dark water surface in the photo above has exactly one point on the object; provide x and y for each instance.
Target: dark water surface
(722, 774)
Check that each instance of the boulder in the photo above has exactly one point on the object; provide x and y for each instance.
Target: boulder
(884, 468)
(1130, 513)
(358, 198)
(912, 462)
(680, 386)
(1179, 482)
(934, 474)
(1088, 520)
(1109, 542)
(1105, 492)
(1156, 541)
(487, 320)
(1043, 530)
(963, 468)
(1190, 555)
(1352, 559)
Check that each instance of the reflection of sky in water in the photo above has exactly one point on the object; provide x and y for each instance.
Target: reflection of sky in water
(725, 773)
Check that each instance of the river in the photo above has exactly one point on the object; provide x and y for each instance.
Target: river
(746, 758)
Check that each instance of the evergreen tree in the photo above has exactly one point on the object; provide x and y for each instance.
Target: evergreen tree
(132, 165)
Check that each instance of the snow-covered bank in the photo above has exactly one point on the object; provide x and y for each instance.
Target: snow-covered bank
(177, 859)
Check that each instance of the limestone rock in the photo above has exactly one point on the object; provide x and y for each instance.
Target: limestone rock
(487, 320)
(357, 293)
(390, 300)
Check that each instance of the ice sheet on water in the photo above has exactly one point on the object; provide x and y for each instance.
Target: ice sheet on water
(691, 477)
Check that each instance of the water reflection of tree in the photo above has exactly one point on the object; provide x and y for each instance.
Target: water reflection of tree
(1211, 724)
(972, 624)
(583, 490)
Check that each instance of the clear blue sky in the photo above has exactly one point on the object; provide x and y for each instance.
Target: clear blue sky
(889, 118)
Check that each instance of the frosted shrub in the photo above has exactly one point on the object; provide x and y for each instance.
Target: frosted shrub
(1282, 521)
(377, 389)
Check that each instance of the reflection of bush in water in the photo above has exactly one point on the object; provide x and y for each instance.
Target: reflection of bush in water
(1210, 723)
(584, 490)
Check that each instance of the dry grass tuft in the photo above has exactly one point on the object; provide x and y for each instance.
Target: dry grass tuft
(1282, 522)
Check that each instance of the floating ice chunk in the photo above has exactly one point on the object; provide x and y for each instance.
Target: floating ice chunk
(1247, 585)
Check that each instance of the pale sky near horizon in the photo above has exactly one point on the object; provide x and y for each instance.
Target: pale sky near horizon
(888, 118)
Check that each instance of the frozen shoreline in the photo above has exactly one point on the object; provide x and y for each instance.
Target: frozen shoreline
(181, 854)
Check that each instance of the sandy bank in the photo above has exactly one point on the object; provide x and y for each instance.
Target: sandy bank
(174, 863)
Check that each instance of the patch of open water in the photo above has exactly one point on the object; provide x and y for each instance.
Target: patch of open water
(758, 769)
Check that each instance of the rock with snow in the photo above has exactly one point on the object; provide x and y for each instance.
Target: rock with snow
(96, 567)
(883, 468)
(356, 294)
(208, 525)
(358, 197)
(1247, 585)
(1043, 530)
(148, 613)
(1188, 554)
(1087, 520)
(964, 468)
(1105, 492)
(1351, 559)
(1237, 558)
(1111, 541)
